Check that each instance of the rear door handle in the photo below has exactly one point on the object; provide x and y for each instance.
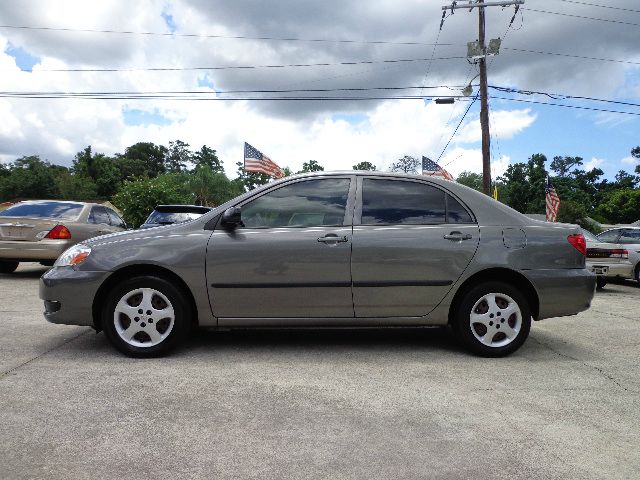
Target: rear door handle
(333, 238)
(458, 236)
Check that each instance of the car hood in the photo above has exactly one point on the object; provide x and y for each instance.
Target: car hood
(132, 235)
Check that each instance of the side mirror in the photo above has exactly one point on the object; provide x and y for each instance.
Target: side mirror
(231, 218)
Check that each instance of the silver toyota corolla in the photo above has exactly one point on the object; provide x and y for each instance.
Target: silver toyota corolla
(338, 249)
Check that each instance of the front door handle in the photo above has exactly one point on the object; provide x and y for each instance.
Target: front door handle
(333, 238)
(458, 236)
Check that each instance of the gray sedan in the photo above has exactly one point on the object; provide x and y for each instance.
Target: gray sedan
(343, 249)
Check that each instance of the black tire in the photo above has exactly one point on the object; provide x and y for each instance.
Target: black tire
(494, 345)
(600, 282)
(8, 267)
(174, 331)
(638, 273)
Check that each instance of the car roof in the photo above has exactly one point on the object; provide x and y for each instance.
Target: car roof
(183, 208)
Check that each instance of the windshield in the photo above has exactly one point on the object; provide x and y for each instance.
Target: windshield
(66, 210)
(171, 217)
(590, 236)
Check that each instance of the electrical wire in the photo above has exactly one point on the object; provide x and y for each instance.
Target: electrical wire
(230, 37)
(522, 50)
(601, 6)
(573, 15)
(456, 130)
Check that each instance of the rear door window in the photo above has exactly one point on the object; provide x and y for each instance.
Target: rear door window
(99, 215)
(116, 221)
(399, 202)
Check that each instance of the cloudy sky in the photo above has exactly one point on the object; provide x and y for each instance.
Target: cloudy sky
(579, 48)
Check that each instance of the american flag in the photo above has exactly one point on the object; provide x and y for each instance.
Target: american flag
(255, 161)
(431, 168)
(553, 201)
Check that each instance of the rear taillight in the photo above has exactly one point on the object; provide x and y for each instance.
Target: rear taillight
(619, 253)
(578, 241)
(59, 232)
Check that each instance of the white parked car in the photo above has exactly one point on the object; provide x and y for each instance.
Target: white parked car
(607, 260)
(629, 238)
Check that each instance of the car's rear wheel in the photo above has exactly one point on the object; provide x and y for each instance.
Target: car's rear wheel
(8, 267)
(146, 316)
(492, 319)
(638, 273)
(600, 282)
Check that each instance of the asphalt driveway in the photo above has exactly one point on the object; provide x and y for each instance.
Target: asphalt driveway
(320, 404)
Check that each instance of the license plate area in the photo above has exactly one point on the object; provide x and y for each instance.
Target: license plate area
(600, 270)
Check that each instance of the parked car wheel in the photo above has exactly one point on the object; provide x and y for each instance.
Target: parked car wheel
(492, 319)
(8, 267)
(146, 316)
(600, 282)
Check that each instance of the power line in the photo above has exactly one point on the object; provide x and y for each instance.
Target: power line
(601, 6)
(456, 130)
(559, 96)
(629, 62)
(247, 67)
(230, 37)
(583, 17)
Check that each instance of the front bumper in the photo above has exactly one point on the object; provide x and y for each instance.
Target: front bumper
(68, 295)
(33, 251)
(563, 291)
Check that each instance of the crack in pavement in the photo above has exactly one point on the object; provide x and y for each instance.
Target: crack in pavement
(6, 373)
(598, 369)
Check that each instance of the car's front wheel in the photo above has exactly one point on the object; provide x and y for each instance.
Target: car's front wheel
(8, 267)
(146, 316)
(492, 319)
(600, 282)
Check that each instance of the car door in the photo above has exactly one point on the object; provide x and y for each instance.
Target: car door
(411, 242)
(290, 260)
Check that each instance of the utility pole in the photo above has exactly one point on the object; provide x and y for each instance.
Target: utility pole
(482, 63)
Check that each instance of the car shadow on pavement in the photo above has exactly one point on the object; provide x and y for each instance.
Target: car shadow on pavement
(322, 338)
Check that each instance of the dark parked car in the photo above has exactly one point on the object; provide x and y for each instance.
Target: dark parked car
(170, 214)
(40, 230)
(339, 249)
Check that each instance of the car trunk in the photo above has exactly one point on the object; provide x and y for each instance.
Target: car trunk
(604, 251)
(25, 228)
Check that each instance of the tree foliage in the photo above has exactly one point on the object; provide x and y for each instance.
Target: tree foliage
(471, 180)
(365, 166)
(406, 164)
(311, 166)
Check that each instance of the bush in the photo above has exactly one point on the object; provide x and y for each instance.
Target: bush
(137, 199)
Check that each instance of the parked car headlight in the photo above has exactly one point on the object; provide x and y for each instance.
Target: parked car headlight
(73, 256)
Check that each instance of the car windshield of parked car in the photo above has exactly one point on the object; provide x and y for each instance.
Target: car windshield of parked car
(65, 210)
(303, 204)
(590, 236)
(171, 217)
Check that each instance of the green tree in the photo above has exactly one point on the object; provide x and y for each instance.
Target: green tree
(207, 156)
(365, 166)
(30, 177)
(103, 171)
(142, 159)
(524, 185)
(137, 198)
(471, 180)
(562, 165)
(178, 156)
(406, 164)
(311, 166)
(250, 180)
(76, 187)
(622, 206)
(212, 188)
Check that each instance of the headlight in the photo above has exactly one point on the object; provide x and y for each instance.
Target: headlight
(73, 256)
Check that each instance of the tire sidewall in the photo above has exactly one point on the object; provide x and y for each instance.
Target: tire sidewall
(462, 326)
(176, 296)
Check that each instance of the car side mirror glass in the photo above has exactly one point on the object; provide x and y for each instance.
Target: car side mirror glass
(232, 218)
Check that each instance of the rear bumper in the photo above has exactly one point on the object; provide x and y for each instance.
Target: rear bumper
(68, 295)
(33, 251)
(624, 270)
(563, 292)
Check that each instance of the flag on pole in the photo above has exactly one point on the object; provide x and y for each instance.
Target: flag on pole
(431, 168)
(552, 201)
(255, 161)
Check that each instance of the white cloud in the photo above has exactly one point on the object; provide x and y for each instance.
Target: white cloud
(629, 160)
(593, 163)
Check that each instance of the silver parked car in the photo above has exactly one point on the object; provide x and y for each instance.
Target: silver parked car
(40, 230)
(329, 250)
(629, 237)
(607, 260)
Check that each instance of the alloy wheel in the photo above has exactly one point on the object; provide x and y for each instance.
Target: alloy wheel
(144, 317)
(495, 320)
